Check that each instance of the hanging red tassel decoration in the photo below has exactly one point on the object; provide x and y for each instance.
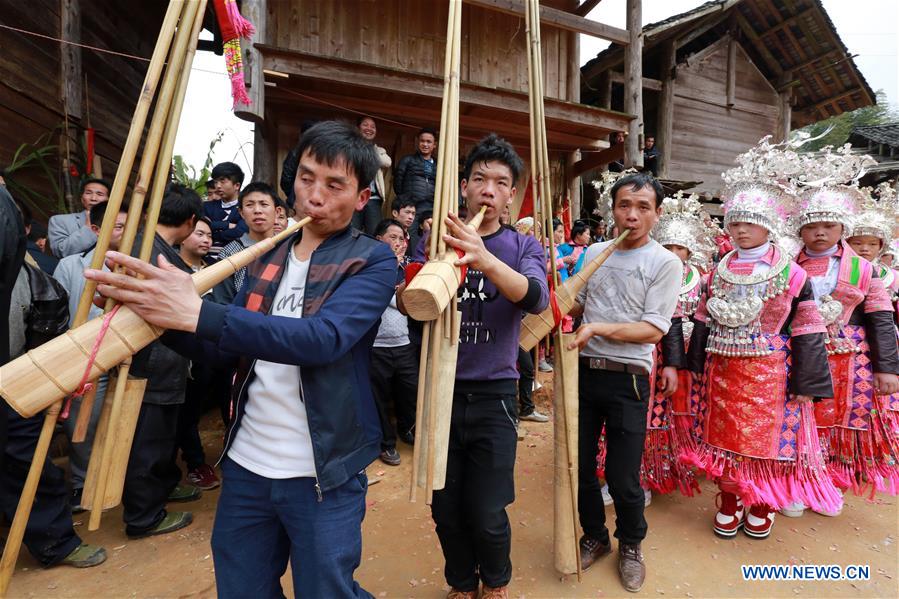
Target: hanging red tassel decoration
(89, 162)
(233, 26)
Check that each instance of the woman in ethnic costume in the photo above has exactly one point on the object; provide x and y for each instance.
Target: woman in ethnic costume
(758, 344)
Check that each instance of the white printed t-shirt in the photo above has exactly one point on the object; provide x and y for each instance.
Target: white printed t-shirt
(273, 439)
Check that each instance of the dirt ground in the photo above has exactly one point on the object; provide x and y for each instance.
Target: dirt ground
(401, 555)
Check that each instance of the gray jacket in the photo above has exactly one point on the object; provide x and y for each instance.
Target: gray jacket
(70, 274)
(68, 234)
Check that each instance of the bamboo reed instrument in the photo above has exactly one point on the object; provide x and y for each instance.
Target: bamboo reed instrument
(565, 483)
(441, 280)
(429, 293)
(52, 371)
(535, 327)
(174, 15)
(565, 525)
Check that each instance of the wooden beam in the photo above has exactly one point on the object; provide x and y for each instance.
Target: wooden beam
(265, 153)
(648, 83)
(255, 12)
(357, 73)
(731, 72)
(586, 6)
(71, 88)
(836, 98)
(709, 23)
(787, 22)
(605, 90)
(784, 112)
(596, 160)
(665, 133)
(554, 17)
(633, 88)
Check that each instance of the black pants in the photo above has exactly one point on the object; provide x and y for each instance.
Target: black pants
(394, 373)
(470, 511)
(188, 439)
(152, 473)
(49, 535)
(619, 401)
(219, 393)
(525, 383)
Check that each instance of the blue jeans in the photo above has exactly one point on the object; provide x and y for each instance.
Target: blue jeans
(261, 522)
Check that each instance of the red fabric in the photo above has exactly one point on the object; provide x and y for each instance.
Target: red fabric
(411, 270)
(225, 26)
(554, 304)
(527, 204)
(89, 138)
(463, 270)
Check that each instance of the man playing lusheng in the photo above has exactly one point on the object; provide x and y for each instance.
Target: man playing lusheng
(627, 307)
(305, 424)
(506, 275)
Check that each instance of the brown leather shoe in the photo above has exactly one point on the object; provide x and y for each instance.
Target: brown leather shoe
(457, 594)
(631, 568)
(592, 550)
(494, 592)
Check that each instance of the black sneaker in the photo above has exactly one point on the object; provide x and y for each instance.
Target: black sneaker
(390, 456)
(408, 438)
(75, 501)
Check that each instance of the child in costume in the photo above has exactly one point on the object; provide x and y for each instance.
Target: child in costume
(758, 344)
(872, 230)
(861, 342)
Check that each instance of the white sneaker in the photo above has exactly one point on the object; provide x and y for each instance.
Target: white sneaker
(794, 510)
(545, 366)
(535, 416)
(606, 497)
(536, 385)
(647, 497)
(832, 514)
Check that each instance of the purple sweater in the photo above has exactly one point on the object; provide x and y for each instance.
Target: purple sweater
(488, 342)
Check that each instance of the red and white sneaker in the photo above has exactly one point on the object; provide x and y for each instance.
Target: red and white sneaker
(729, 518)
(759, 521)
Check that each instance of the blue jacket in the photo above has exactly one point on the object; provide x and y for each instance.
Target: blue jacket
(350, 282)
(221, 221)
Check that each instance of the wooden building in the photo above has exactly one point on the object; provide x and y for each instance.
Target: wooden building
(720, 77)
(42, 80)
(881, 142)
(316, 59)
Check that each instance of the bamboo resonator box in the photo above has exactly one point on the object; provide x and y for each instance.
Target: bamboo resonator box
(430, 292)
(535, 327)
(47, 374)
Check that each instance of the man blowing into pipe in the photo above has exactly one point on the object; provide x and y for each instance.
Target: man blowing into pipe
(305, 424)
(506, 275)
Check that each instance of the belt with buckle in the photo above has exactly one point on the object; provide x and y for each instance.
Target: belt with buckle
(611, 365)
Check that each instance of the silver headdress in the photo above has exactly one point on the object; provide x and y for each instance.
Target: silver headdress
(831, 187)
(760, 190)
(877, 217)
(683, 222)
(603, 186)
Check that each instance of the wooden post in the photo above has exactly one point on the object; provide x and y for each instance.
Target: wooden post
(574, 95)
(731, 72)
(605, 90)
(255, 12)
(265, 152)
(665, 132)
(70, 67)
(633, 84)
(574, 185)
(784, 110)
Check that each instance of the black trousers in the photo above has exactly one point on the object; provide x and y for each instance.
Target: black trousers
(470, 511)
(394, 374)
(152, 473)
(49, 534)
(619, 401)
(367, 219)
(525, 382)
(188, 438)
